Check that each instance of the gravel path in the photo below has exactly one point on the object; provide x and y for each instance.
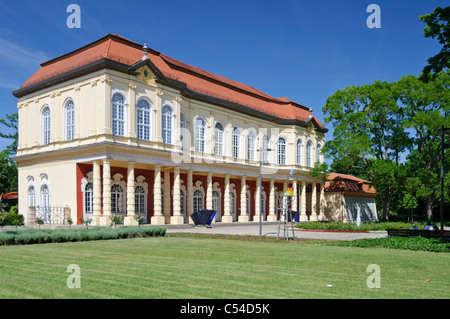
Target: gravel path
(269, 229)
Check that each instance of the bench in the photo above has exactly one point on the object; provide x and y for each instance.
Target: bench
(417, 232)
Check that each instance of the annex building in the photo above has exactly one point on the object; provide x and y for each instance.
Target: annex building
(116, 128)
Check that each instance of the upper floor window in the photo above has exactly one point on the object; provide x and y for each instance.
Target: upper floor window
(308, 154)
(299, 152)
(69, 120)
(144, 120)
(319, 155)
(218, 139)
(118, 114)
(182, 130)
(265, 146)
(281, 151)
(199, 135)
(251, 146)
(167, 124)
(236, 147)
(45, 125)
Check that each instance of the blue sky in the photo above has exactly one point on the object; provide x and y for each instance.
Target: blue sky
(302, 50)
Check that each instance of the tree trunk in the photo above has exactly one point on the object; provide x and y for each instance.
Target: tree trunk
(386, 205)
(429, 206)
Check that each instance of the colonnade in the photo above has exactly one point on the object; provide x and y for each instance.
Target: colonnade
(162, 208)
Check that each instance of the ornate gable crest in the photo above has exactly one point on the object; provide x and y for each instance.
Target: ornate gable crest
(146, 75)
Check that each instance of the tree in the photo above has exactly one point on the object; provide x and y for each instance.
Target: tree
(368, 130)
(8, 168)
(438, 27)
(8, 173)
(426, 105)
(11, 122)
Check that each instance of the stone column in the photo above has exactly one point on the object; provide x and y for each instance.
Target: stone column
(97, 200)
(189, 196)
(209, 186)
(157, 218)
(295, 196)
(177, 218)
(313, 216)
(243, 216)
(272, 213)
(303, 216)
(167, 197)
(322, 202)
(227, 218)
(129, 219)
(257, 201)
(105, 220)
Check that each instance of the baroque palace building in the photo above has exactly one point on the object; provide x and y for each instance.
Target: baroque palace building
(116, 128)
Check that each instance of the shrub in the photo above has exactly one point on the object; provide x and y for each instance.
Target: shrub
(409, 243)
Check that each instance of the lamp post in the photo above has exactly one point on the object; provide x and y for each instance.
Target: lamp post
(443, 147)
(412, 200)
(261, 150)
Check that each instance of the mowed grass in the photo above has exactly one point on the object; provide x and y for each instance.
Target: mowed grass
(183, 268)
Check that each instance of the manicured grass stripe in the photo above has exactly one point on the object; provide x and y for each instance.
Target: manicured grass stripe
(161, 267)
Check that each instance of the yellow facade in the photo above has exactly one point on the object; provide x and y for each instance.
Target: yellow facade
(93, 143)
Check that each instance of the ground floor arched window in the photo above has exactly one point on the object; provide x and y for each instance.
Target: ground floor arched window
(216, 205)
(117, 202)
(198, 200)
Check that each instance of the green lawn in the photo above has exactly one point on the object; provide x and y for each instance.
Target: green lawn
(173, 267)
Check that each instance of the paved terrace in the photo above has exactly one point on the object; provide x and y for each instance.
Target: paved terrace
(269, 229)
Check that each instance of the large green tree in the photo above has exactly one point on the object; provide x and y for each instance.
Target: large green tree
(368, 136)
(377, 125)
(427, 109)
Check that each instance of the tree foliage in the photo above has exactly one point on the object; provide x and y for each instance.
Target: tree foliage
(438, 27)
(8, 168)
(386, 132)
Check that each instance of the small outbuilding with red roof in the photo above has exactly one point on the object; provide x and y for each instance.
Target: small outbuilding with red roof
(345, 194)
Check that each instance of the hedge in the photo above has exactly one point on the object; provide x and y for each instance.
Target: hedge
(34, 236)
(369, 226)
(408, 243)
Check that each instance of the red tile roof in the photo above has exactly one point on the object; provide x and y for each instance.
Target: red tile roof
(119, 49)
(347, 183)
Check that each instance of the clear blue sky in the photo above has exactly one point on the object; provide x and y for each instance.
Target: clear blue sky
(303, 50)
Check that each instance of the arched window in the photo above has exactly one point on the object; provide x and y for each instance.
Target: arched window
(139, 200)
(118, 114)
(308, 154)
(198, 200)
(236, 143)
(299, 152)
(318, 155)
(233, 204)
(218, 139)
(251, 146)
(69, 120)
(31, 197)
(182, 130)
(45, 125)
(167, 125)
(45, 203)
(144, 128)
(116, 199)
(216, 205)
(89, 198)
(281, 151)
(265, 146)
(183, 202)
(199, 135)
